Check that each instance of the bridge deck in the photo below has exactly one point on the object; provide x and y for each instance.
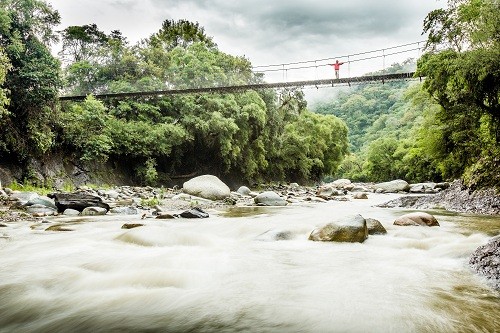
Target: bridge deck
(229, 89)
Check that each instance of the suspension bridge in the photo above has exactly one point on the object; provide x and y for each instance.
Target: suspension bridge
(285, 69)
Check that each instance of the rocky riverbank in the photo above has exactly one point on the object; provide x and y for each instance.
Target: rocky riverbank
(457, 198)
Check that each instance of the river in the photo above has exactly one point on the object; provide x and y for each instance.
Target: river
(228, 273)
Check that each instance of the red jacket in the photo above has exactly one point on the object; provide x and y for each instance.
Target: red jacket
(336, 65)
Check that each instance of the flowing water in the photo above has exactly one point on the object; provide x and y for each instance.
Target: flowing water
(229, 273)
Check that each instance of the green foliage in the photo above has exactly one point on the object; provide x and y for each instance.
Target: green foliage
(4, 68)
(465, 80)
(312, 146)
(28, 187)
(180, 33)
(84, 128)
(368, 108)
(33, 81)
(148, 172)
(150, 202)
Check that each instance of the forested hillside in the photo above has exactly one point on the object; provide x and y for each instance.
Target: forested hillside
(251, 136)
(445, 128)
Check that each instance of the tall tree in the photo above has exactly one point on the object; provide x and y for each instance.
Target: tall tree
(33, 81)
(463, 74)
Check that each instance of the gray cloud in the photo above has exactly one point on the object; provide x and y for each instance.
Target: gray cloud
(268, 31)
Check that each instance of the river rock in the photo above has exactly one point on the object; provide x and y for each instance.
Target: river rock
(360, 195)
(58, 227)
(423, 188)
(194, 213)
(417, 219)
(341, 183)
(394, 186)
(486, 261)
(327, 191)
(350, 229)
(41, 210)
(124, 211)
(71, 212)
(132, 225)
(22, 197)
(375, 227)
(77, 201)
(90, 211)
(243, 190)
(43, 200)
(166, 216)
(208, 187)
(269, 198)
(275, 235)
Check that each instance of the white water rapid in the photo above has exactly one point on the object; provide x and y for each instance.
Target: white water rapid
(228, 273)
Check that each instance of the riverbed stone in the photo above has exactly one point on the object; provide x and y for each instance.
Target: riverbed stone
(22, 197)
(77, 200)
(41, 210)
(71, 212)
(360, 195)
(275, 235)
(132, 225)
(270, 198)
(485, 260)
(393, 186)
(350, 229)
(417, 219)
(243, 190)
(194, 213)
(422, 188)
(42, 200)
(208, 187)
(341, 183)
(58, 227)
(90, 211)
(166, 216)
(375, 227)
(124, 211)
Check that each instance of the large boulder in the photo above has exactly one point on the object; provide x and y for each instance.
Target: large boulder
(22, 197)
(341, 183)
(77, 201)
(269, 198)
(208, 187)
(394, 186)
(350, 229)
(41, 210)
(486, 261)
(417, 219)
(45, 201)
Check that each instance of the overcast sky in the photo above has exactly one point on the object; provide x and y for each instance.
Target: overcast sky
(271, 32)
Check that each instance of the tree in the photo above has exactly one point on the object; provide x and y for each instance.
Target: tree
(4, 68)
(463, 75)
(81, 43)
(33, 80)
(180, 33)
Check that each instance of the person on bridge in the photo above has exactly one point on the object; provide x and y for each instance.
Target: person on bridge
(336, 66)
